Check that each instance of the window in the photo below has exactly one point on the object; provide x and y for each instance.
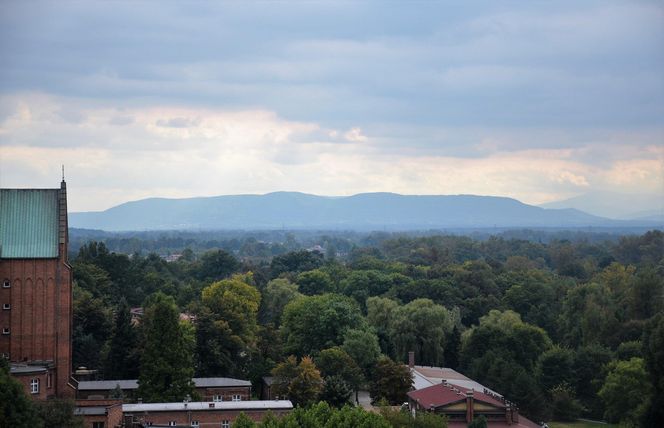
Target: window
(172, 424)
(6, 306)
(5, 330)
(217, 398)
(34, 386)
(6, 284)
(49, 383)
(194, 424)
(97, 425)
(225, 424)
(237, 397)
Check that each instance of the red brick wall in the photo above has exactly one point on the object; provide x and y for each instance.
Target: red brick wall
(40, 316)
(207, 394)
(202, 416)
(113, 417)
(44, 391)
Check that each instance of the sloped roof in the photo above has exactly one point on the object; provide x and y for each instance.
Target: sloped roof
(29, 223)
(444, 394)
(425, 376)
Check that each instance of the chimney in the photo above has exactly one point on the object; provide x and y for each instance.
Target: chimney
(508, 414)
(411, 359)
(469, 406)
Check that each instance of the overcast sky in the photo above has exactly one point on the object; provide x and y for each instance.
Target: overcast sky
(533, 100)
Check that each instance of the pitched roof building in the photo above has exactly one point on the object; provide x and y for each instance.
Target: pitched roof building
(36, 289)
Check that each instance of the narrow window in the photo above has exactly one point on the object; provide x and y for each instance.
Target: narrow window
(34, 386)
(6, 284)
(237, 397)
(172, 424)
(49, 381)
(195, 424)
(5, 330)
(6, 306)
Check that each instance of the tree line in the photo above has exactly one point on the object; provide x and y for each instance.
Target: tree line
(564, 329)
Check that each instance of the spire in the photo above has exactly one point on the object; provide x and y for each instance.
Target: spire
(63, 185)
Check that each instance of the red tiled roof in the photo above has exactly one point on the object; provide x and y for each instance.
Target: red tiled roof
(441, 395)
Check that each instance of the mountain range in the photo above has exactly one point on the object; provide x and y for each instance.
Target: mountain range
(623, 206)
(366, 211)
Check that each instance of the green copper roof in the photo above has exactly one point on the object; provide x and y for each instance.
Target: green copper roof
(28, 223)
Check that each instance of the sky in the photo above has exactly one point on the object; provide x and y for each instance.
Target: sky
(537, 101)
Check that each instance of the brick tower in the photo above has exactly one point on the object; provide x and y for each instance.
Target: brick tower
(36, 289)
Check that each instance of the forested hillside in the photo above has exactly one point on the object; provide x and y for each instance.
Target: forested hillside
(563, 328)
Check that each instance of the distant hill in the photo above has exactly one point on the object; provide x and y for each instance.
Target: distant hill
(638, 206)
(367, 211)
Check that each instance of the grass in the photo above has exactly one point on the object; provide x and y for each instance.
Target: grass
(580, 424)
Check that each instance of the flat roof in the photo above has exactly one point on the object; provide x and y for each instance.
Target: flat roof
(209, 405)
(200, 382)
(93, 410)
(26, 369)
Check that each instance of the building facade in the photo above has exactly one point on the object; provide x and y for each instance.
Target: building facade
(36, 289)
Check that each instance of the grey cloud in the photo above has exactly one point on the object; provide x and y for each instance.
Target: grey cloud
(178, 122)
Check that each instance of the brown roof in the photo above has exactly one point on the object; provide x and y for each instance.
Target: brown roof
(444, 394)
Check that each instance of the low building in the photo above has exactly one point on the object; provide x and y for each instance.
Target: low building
(200, 414)
(100, 413)
(445, 391)
(36, 378)
(208, 388)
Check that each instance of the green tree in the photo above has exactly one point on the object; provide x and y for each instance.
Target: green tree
(301, 383)
(59, 413)
(589, 373)
(626, 391)
(243, 421)
(335, 361)
(312, 323)
(336, 391)
(555, 366)
(277, 294)
(380, 311)
(653, 352)
(363, 348)
(296, 262)
(92, 328)
(217, 264)
(390, 381)
(564, 405)
(167, 362)
(421, 326)
(16, 409)
(478, 422)
(122, 359)
(314, 282)
(452, 348)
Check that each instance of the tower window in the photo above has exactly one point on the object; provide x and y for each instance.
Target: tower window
(34, 386)
(6, 306)
(5, 330)
(6, 283)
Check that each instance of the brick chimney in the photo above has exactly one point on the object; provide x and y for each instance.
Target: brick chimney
(470, 404)
(411, 359)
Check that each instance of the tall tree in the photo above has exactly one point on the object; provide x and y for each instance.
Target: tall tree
(167, 363)
(312, 323)
(626, 391)
(301, 383)
(390, 381)
(123, 358)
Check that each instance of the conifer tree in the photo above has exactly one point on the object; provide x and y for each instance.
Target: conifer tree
(167, 363)
(122, 360)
